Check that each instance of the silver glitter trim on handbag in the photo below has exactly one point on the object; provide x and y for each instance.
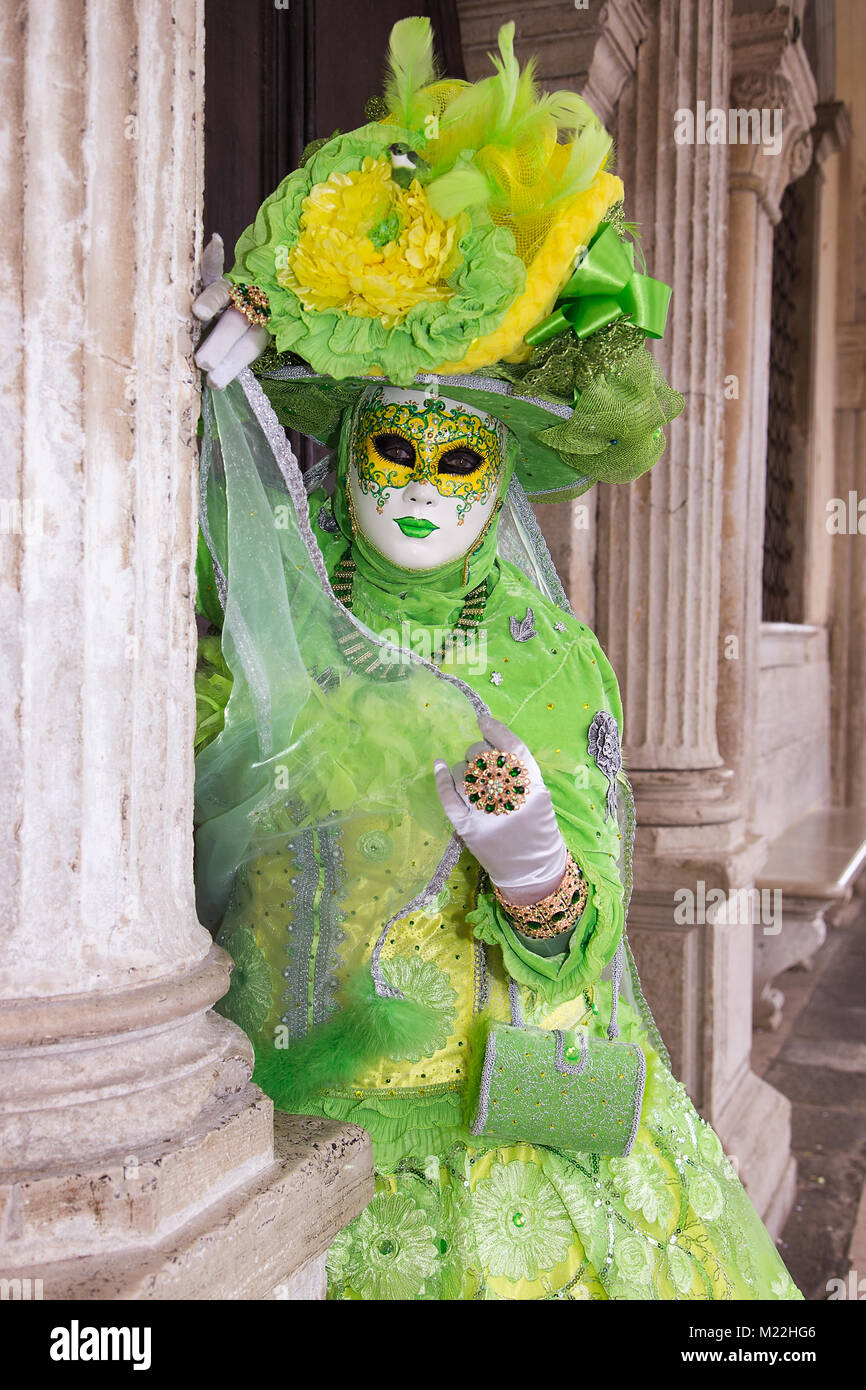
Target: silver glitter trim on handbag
(522, 1097)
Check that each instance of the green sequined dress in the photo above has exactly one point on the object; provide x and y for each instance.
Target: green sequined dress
(453, 1218)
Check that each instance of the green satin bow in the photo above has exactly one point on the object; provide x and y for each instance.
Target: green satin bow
(604, 288)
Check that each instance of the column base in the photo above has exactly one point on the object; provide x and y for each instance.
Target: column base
(139, 1160)
(246, 1211)
(694, 951)
(755, 1129)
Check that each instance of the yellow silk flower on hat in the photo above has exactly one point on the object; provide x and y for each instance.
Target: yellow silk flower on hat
(371, 247)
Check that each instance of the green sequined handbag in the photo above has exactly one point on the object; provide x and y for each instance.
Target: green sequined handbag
(561, 1088)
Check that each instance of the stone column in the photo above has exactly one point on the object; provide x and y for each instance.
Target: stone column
(831, 134)
(662, 550)
(848, 627)
(848, 630)
(770, 72)
(136, 1159)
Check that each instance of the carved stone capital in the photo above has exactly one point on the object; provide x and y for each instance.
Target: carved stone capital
(622, 27)
(761, 89)
(833, 129)
(770, 73)
(593, 50)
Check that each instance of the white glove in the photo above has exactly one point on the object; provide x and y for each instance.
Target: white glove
(235, 342)
(523, 850)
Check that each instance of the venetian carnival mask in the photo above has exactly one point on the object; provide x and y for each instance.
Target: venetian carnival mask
(424, 476)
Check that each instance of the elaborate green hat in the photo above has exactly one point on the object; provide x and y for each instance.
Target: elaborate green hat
(470, 240)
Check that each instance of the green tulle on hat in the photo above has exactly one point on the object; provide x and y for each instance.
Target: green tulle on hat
(617, 426)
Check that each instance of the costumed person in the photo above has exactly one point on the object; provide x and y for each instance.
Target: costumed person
(414, 829)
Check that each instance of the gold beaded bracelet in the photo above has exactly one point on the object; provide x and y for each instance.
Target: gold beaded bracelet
(555, 913)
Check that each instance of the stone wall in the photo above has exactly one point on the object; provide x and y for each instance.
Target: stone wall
(792, 771)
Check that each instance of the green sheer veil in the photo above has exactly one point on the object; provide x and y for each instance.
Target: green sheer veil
(328, 727)
(330, 730)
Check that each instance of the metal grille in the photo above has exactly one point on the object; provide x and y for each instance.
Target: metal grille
(778, 528)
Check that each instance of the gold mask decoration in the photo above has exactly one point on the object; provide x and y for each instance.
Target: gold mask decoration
(431, 440)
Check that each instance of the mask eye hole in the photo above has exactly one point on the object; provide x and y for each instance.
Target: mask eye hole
(395, 449)
(460, 461)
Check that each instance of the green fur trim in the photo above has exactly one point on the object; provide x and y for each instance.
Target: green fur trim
(359, 1035)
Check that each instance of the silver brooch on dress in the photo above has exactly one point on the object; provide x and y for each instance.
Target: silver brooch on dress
(522, 630)
(603, 743)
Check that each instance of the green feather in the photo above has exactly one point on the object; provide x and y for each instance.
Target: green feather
(462, 187)
(478, 1032)
(508, 76)
(360, 1034)
(588, 152)
(410, 69)
(500, 110)
(507, 111)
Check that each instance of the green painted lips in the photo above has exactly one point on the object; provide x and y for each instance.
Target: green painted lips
(415, 526)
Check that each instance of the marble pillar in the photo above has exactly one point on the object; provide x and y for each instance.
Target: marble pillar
(848, 630)
(136, 1157)
(770, 72)
(848, 627)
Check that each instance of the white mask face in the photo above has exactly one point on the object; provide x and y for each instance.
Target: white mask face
(424, 475)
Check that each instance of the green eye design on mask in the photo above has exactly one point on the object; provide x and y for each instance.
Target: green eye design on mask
(433, 441)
